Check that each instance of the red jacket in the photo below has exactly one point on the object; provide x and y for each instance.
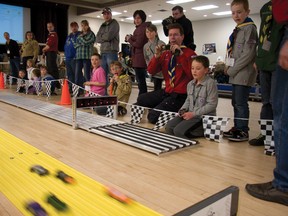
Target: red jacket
(280, 11)
(183, 73)
(52, 42)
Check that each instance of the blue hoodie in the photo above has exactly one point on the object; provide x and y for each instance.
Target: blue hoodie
(69, 49)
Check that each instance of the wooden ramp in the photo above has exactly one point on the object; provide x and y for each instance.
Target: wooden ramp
(87, 197)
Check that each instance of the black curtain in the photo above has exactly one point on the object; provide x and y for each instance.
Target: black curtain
(48, 12)
(43, 12)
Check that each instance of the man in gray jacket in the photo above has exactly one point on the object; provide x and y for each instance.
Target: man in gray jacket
(108, 37)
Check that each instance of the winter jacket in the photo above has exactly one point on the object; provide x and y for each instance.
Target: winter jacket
(138, 40)
(108, 37)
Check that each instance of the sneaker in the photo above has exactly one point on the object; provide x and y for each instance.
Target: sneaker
(258, 141)
(239, 136)
(229, 133)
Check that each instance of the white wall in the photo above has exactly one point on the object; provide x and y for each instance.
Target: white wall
(216, 31)
(206, 31)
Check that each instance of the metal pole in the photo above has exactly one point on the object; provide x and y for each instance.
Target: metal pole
(115, 112)
(74, 113)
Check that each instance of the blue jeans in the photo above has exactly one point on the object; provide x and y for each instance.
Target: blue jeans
(267, 83)
(280, 111)
(141, 80)
(240, 96)
(106, 60)
(70, 69)
(14, 66)
(86, 64)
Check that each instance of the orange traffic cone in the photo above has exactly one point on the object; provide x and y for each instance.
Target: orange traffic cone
(65, 96)
(2, 85)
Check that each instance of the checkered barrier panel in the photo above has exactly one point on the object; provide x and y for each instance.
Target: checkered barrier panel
(136, 114)
(163, 119)
(266, 127)
(214, 126)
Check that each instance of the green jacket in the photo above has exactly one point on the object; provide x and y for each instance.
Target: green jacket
(122, 88)
(271, 31)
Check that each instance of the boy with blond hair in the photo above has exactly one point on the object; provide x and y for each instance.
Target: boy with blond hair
(241, 53)
(120, 85)
(202, 99)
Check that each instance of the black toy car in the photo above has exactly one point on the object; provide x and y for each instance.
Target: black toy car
(39, 170)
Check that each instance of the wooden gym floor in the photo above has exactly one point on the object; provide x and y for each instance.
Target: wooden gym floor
(168, 183)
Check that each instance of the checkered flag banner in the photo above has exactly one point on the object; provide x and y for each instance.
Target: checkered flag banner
(27, 84)
(48, 88)
(5, 78)
(37, 86)
(75, 90)
(266, 127)
(61, 81)
(10, 80)
(214, 126)
(110, 112)
(31, 82)
(20, 82)
(136, 114)
(163, 119)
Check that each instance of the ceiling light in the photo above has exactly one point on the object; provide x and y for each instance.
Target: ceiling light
(114, 13)
(179, 1)
(205, 15)
(98, 16)
(222, 13)
(129, 18)
(228, 4)
(149, 15)
(125, 11)
(122, 20)
(156, 21)
(205, 7)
